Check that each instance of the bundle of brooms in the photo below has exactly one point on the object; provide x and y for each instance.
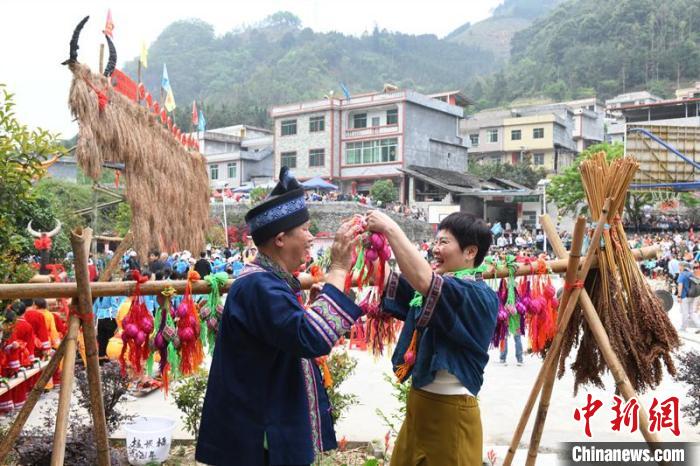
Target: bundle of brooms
(168, 187)
(638, 328)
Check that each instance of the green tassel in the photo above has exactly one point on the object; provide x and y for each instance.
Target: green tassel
(173, 362)
(417, 300)
(215, 281)
(514, 323)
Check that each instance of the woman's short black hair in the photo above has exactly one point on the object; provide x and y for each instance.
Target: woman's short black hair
(469, 231)
(18, 307)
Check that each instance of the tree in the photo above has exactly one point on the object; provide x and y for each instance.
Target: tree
(566, 189)
(383, 191)
(21, 153)
(522, 172)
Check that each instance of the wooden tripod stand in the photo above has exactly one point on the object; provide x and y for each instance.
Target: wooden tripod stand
(573, 291)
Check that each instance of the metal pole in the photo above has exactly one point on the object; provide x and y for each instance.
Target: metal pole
(223, 200)
(544, 212)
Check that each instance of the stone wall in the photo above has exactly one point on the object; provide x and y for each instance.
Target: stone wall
(328, 217)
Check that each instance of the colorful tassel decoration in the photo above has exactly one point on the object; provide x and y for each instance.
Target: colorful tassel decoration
(137, 325)
(188, 330)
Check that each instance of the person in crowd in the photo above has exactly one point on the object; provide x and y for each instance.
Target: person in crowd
(265, 399)
(202, 267)
(449, 316)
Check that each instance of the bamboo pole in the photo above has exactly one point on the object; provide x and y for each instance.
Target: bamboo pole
(106, 274)
(58, 452)
(20, 379)
(571, 277)
(69, 290)
(9, 440)
(79, 239)
(621, 380)
(553, 351)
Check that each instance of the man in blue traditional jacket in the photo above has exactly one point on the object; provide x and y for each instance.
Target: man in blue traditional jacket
(449, 316)
(265, 402)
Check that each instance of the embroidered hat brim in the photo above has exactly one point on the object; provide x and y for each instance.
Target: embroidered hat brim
(277, 214)
(283, 210)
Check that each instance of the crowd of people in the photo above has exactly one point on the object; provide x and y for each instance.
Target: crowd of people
(31, 331)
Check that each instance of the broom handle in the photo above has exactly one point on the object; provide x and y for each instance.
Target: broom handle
(571, 277)
(621, 380)
(553, 352)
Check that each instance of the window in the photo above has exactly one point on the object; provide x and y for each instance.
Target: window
(538, 158)
(392, 116)
(377, 151)
(214, 172)
(492, 135)
(289, 159)
(359, 120)
(317, 124)
(515, 135)
(474, 138)
(232, 169)
(289, 127)
(316, 157)
(538, 133)
(376, 121)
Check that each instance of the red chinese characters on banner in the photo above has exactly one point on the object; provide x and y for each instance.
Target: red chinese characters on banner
(629, 415)
(667, 417)
(588, 411)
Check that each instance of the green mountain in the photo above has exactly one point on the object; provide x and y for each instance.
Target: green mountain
(600, 47)
(495, 33)
(239, 75)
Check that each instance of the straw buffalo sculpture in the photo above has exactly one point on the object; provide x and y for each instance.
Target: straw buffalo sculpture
(168, 187)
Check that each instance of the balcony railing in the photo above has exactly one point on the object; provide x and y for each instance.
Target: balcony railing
(371, 131)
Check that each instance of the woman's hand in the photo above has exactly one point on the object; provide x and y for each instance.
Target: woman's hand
(380, 222)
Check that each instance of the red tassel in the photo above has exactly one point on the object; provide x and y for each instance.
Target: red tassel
(409, 358)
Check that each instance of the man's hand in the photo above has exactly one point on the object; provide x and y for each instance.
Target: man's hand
(314, 291)
(346, 238)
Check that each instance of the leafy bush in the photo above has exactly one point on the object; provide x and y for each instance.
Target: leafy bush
(258, 194)
(114, 387)
(35, 444)
(341, 365)
(383, 191)
(689, 372)
(400, 391)
(189, 398)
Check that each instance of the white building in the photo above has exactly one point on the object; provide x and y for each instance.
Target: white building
(237, 155)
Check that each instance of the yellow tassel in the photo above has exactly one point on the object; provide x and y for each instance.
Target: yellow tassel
(409, 358)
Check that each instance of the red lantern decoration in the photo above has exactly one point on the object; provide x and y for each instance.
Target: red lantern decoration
(156, 108)
(149, 100)
(163, 116)
(141, 89)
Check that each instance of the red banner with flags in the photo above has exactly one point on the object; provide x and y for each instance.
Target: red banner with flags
(124, 85)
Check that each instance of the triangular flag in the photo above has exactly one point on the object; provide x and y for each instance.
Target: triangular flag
(202, 126)
(144, 54)
(109, 26)
(195, 115)
(165, 80)
(169, 103)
